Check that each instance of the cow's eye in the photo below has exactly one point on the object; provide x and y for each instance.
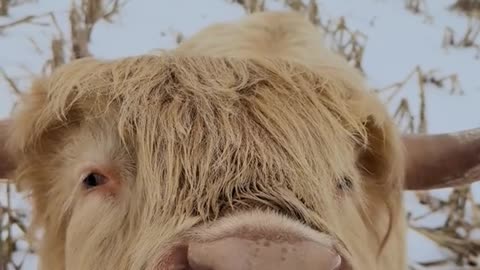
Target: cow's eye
(345, 184)
(93, 180)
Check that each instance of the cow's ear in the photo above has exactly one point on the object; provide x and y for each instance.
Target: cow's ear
(15, 132)
(443, 160)
(7, 164)
(379, 160)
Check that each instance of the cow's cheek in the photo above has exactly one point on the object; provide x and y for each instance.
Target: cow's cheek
(93, 225)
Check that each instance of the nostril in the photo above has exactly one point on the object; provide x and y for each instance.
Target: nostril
(177, 259)
(233, 253)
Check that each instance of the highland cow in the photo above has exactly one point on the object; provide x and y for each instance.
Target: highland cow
(250, 146)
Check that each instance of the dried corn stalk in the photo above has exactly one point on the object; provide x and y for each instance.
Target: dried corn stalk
(251, 6)
(57, 49)
(343, 40)
(470, 8)
(422, 79)
(30, 19)
(4, 7)
(10, 220)
(83, 17)
(469, 39)
(416, 6)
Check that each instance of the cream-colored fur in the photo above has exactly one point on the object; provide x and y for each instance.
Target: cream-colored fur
(249, 115)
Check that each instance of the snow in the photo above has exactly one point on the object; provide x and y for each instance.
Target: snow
(398, 40)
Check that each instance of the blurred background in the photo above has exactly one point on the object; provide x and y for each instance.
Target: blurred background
(422, 57)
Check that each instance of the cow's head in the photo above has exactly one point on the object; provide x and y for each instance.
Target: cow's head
(215, 163)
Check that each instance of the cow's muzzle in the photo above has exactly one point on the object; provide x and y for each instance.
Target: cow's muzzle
(255, 242)
(236, 253)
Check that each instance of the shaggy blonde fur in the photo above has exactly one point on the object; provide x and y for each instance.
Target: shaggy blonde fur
(255, 114)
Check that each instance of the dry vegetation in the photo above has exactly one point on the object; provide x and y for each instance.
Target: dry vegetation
(419, 7)
(3, 7)
(422, 79)
(469, 39)
(453, 235)
(11, 219)
(416, 6)
(251, 6)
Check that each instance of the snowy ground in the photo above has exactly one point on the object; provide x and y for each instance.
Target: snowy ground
(398, 40)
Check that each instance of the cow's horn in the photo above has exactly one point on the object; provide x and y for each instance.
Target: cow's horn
(443, 160)
(6, 163)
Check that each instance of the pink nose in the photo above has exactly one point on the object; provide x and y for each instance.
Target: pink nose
(234, 253)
